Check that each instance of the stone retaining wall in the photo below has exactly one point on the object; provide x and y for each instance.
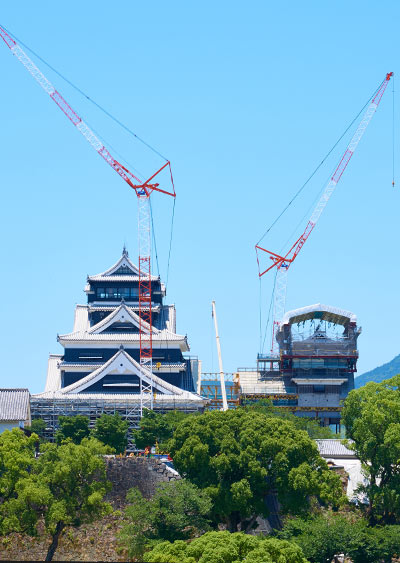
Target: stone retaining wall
(127, 472)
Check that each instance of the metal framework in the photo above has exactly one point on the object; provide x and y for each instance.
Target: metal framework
(143, 191)
(283, 263)
(50, 409)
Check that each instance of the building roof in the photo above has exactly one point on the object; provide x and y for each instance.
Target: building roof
(14, 404)
(332, 448)
(83, 332)
(121, 363)
(123, 262)
(319, 311)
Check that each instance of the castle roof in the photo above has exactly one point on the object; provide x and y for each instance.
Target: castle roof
(121, 363)
(124, 314)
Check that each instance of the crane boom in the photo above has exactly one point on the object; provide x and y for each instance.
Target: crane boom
(283, 263)
(143, 191)
(130, 178)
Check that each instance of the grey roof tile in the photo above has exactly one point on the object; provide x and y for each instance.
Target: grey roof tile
(14, 404)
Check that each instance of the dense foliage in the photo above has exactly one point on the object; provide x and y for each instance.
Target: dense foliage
(327, 535)
(223, 547)
(111, 430)
(157, 429)
(310, 425)
(242, 459)
(73, 427)
(371, 415)
(17, 455)
(65, 485)
(38, 426)
(177, 510)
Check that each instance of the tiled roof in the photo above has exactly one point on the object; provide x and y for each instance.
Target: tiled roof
(161, 336)
(118, 278)
(124, 261)
(121, 312)
(14, 404)
(121, 356)
(333, 448)
(104, 308)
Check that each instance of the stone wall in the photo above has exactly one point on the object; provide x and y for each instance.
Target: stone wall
(127, 472)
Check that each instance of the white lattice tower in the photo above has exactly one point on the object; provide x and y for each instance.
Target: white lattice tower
(279, 304)
(145, 316)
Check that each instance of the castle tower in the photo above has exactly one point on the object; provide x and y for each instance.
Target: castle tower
(99, 369)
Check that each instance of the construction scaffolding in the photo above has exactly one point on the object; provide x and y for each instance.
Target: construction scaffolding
(211, 389)
(50, 409)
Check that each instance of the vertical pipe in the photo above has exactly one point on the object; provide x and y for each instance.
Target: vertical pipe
(221, 369)
(199, 366)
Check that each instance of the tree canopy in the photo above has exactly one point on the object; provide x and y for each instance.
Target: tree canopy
(223, 547)
(324, 536)
(73, 427)
(242, 459)
(156, 428)
(17, 455)
(65, 485)
(371, 416)
(177, 510)
(311, 426)
(112, 430)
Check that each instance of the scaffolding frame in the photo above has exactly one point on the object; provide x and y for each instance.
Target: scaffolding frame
(50, 409)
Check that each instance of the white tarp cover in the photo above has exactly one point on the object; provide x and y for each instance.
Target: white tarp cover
(319, 311)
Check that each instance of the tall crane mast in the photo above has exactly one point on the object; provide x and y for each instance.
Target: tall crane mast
(283, 263)
(143, 191)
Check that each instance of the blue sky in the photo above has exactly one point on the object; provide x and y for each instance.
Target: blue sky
(245, 99)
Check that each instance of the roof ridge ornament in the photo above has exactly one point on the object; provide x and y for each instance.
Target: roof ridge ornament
(124, 251)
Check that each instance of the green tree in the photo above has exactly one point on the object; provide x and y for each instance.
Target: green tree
(310, 425)
(177, 510)
(371, 415)
(224, 547)
(327, 535)
(73, 427)
(65, 486)
(38, 426)
(152, 428)
(17, 456)
(243, 459)
(112, 431)
(156, 428)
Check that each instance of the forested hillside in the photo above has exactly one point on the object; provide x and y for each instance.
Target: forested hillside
(380, 373)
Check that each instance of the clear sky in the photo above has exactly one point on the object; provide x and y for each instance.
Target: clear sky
(245, 99)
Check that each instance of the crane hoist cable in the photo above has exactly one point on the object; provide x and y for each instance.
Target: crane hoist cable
(318, 167)
(91, 100)
(283, 262)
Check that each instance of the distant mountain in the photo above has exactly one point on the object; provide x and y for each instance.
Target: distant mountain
(380, 373)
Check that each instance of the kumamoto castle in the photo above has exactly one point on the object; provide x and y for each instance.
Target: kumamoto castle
(99, 370)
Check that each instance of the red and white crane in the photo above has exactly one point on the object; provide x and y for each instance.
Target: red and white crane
(143, 190)
(283, 263)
